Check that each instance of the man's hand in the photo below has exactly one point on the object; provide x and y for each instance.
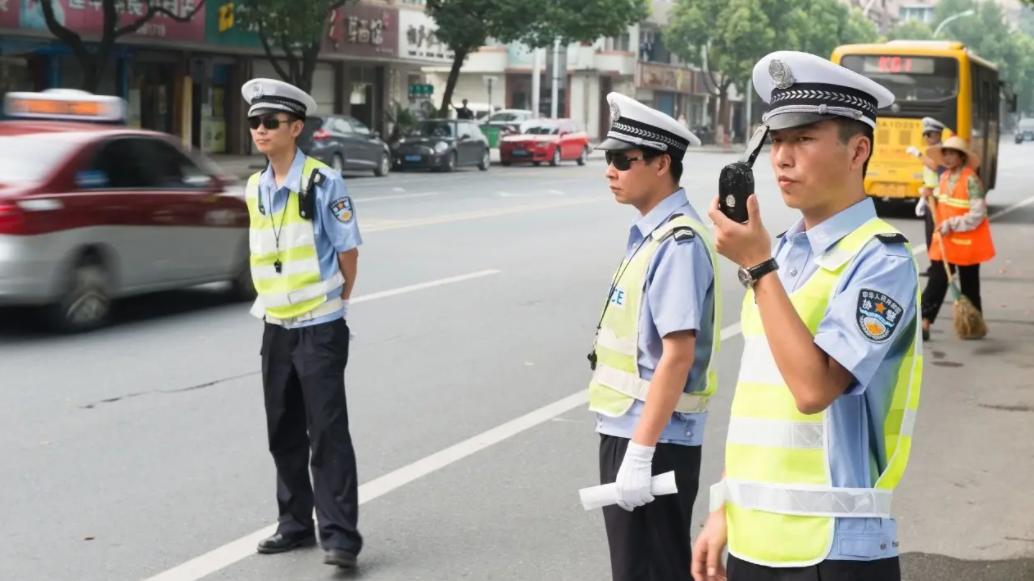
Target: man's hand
(745, 244)
(344, 305)
(633, 480)
(707, 551)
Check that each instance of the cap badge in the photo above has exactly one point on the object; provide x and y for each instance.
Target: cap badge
(615, 112)
(781, 74)
(255, 91)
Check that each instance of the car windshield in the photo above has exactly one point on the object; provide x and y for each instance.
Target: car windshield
(540, 129)
(505, 116)
(1027, 124)
(28, 158)
(433, 129)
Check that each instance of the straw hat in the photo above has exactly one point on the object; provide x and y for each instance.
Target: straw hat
(958, 144)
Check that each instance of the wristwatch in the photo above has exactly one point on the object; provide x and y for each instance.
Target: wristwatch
(750, 276)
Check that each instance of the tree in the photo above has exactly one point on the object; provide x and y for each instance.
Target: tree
(910, 30)
(292, 28)
(726, 37)
(466, 25)
(118, 22)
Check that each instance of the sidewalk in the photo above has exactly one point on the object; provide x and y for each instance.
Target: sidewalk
(965, 508)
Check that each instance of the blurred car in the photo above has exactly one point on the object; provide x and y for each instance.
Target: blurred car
(92, 212)
(1025, 130)
(345, 144)
(552, 140)
(503, 123)
(443, 144)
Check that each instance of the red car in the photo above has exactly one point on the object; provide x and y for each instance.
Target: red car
(90, 212)
(545, 140)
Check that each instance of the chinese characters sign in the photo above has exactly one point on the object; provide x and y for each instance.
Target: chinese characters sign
(86, 17)
(368, 31)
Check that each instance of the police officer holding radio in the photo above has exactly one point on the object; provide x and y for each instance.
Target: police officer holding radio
(825, 403)
(304, 253)
(655, 344)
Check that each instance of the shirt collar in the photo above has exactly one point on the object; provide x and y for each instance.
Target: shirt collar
(823, 236)
(657, 216)
(294, 176)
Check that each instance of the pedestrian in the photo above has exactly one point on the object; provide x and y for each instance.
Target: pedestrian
(304, 253)
(821, 422)
(932, 132)
(656, 343)
(960, 211)
(464, 112)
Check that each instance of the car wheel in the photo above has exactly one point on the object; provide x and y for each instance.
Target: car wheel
(486, 160)
(556, 157)
(536, 163)
(86, 301)
(241, 287)
(452, 162)
(338, 163)
(383, 166)
(506, 163)
(584, 157)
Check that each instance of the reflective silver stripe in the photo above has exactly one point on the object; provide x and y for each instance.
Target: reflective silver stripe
(608, 340)
(908, 423)
(272, 301)
(805, 500)
(776, 433)
(757, 364)
(320, 311)
(637, 388)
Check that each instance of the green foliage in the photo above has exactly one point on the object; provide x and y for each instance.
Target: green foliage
(581, 20)
(910, 30)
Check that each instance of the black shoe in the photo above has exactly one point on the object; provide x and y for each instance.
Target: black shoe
(281, 542)
(339, 557)
(926, 334)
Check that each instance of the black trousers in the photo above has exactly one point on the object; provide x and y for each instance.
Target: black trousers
(652, 543)
(303, 377)
(937, 287)
(880, 570)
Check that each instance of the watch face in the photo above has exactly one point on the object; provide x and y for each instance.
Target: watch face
(745, 278)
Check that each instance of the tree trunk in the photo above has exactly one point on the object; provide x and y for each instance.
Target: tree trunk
(454, 77)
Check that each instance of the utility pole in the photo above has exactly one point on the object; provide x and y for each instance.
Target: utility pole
(536, 80)
(556, 78)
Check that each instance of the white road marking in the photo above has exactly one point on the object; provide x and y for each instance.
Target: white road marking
(424, 285)
(243, 547)
(382, 225)
(367, 199)
(398, 189)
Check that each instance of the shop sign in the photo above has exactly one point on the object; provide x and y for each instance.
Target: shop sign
(86, 17)
(418, 38)
(665, 78)
(365, 31)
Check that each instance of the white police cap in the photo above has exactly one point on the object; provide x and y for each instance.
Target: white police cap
(635, 125)
(931, 124)
(266, 95)
(802, 89)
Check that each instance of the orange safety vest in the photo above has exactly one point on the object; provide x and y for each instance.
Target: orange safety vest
(962, 248)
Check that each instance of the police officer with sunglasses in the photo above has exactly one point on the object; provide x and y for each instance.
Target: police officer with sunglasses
(655, 343)
(304, 253)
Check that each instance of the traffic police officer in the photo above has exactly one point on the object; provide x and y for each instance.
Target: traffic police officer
(932, 132)
(654, 348)
(825, 403)
(304, 251)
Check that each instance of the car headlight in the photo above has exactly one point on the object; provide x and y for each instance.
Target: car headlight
(441, 147)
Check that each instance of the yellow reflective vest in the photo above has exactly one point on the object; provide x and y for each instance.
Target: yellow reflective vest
(284, 262)
(616, 382)
(780, 502)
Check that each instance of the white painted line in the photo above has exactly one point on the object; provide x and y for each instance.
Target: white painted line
(368, 199)
(397, 189)
(424, 285)
(381, 226)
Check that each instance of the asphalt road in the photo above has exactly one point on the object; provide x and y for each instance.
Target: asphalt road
(140, 450)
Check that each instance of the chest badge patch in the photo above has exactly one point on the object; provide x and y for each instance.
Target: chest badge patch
(342, 209)
(878, 315)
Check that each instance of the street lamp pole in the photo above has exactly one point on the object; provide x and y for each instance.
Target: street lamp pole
(951, 19)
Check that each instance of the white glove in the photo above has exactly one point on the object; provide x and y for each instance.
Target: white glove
(921, 207)
(344, 307)
(947, 226)
(913, 151)
(633, 480)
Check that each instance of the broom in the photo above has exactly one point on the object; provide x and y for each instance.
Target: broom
(969, 322)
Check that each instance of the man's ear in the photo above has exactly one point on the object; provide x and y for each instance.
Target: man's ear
(296, 128)
(663, 163)
(861, 149)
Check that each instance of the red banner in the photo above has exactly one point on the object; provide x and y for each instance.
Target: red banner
(86, 17)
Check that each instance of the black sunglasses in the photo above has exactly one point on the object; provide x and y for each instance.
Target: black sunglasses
(268, 121)
(620, 161)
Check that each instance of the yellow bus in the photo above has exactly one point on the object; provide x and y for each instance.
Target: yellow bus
(939, 79)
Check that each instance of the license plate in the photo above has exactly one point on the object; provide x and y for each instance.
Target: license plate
(519, 153)
(889, 190)
(413, 158)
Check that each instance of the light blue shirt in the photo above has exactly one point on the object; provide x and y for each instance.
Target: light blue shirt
(679, 296)
(855, 438)
(333, 234)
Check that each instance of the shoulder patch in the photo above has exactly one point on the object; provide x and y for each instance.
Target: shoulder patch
(896, 238)
(683, 234)
(878, 315)
(342, 210)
